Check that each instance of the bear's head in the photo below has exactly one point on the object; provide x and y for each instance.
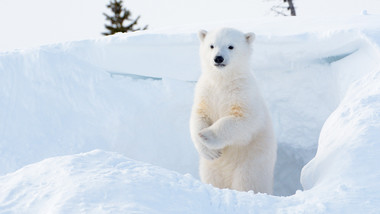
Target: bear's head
(225, 49)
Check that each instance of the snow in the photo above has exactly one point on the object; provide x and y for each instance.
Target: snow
(116, 185)
(101, 125)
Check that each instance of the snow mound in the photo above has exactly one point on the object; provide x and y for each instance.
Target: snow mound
(102, 182)
(352, 134)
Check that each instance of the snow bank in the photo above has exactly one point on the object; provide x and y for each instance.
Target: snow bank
(55, 104)
(101, 182)
(348, 148)
(132, 94)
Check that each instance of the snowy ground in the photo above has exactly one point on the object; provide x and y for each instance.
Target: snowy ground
(100, 101)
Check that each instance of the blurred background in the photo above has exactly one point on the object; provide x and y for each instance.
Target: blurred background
(30, 23)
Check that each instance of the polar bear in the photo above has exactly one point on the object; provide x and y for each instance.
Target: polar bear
(230, 124)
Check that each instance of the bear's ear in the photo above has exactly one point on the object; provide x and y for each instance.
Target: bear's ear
(250, 37)
(202, 34)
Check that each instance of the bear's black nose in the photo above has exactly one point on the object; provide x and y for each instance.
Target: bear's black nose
(218, 59)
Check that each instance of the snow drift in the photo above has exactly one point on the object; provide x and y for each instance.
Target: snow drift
(132, 94)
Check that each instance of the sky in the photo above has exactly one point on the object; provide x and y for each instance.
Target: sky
(26, 23)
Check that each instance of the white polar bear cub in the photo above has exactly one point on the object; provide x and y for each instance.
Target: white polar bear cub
(230, 124)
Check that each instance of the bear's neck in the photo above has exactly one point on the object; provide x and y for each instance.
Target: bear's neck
(228, 74)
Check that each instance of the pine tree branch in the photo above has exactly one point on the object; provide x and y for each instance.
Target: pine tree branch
(120, 15)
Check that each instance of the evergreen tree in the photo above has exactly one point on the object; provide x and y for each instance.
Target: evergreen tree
(120, 15)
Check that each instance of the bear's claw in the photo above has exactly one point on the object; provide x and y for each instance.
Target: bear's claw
(209, 154)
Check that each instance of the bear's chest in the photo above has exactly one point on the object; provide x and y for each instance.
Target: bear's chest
(222, 100)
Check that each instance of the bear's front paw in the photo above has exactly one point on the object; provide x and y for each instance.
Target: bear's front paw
(209, 139)
(209, 154)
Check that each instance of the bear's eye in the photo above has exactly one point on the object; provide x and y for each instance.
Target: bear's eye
(230, 47)
(212, 46)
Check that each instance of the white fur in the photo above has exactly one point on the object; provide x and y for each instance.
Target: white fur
(230, 124)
